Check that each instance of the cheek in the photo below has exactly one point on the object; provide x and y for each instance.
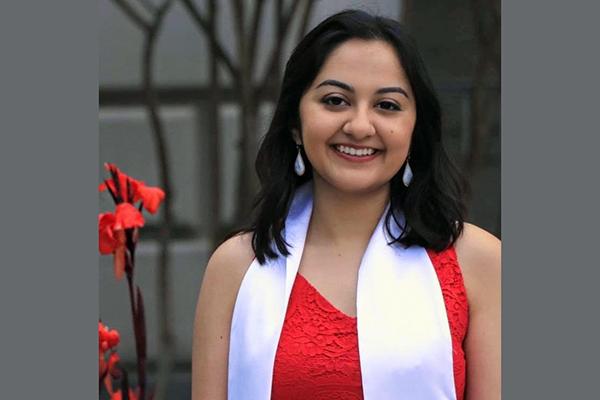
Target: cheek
(317, 126)
(398, 137)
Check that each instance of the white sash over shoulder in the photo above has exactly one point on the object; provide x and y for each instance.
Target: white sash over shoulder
(404, 338)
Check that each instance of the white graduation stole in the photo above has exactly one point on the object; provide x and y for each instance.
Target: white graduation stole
(404, 338)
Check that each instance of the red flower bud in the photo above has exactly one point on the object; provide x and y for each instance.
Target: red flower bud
(107, 338)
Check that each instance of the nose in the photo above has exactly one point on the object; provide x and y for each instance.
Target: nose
(359, 125)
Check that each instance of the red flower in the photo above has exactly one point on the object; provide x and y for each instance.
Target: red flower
(131, 190)
(151, 197)
(112, 241)
(111, 233)
(127, 216)
(107, 241)
(124, 188)
(107, 338)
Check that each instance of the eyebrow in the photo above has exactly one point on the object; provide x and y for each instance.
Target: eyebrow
(345, 86)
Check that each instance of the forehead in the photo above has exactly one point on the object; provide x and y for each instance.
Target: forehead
(364, 63)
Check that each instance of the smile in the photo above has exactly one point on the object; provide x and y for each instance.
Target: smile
(360, 155)
(363, 152)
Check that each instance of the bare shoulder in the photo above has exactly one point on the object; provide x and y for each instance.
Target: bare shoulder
(477, 246)
(230, 260)
(479, 255)
(222, 279)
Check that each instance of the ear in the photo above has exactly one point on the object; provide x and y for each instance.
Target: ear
(296, 136)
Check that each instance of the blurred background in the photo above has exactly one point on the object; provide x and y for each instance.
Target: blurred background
(187, 89)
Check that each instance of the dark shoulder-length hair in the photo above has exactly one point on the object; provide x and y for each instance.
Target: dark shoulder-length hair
(432, 204)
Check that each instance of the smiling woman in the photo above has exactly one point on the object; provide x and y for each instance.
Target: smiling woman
(358, 277)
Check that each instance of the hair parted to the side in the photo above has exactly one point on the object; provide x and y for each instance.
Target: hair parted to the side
(432, 205)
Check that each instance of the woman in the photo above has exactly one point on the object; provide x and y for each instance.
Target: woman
(358, 277)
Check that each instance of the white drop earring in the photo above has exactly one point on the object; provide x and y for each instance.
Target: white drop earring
(299, 167)
(407, 175)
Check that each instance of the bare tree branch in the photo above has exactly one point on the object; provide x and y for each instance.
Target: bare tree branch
(164, 7)
(149, 6)
(279, 42)
(279, 22)
(288, 17)
(292, 11)
(202, 25)
(164, 308)
(238, 16)
(284, 22)
(132, 14)
(256, 17)
(238, 13)
(247, 111)
(308, 8)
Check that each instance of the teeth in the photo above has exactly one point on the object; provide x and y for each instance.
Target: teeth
(354, 152)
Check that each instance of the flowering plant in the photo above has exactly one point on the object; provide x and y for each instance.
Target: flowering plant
(118, 234)
(108, 339)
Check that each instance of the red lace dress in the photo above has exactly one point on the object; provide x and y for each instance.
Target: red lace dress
(317, 357)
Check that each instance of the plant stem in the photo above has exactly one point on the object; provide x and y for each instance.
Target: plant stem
(141, 359)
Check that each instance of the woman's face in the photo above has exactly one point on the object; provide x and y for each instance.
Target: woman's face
(357, 117)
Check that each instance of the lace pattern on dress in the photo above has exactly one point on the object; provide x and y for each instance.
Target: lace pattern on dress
(452, 284)
(317, 357)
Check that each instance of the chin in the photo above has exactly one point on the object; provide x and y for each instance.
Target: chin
(354, 185)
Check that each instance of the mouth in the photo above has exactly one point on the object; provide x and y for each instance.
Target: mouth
(352, 153)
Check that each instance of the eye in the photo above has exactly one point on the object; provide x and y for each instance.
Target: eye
(334, 101)
(388, 106)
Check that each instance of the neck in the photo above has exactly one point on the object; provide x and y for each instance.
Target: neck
(344, 219)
